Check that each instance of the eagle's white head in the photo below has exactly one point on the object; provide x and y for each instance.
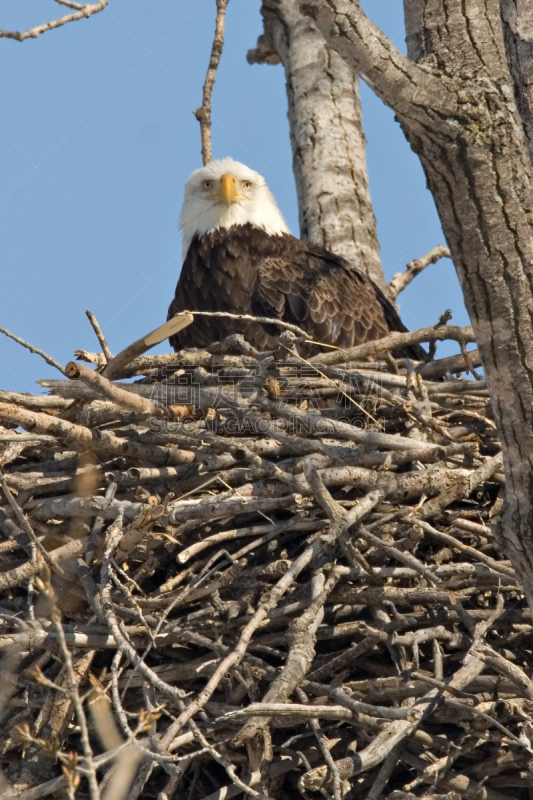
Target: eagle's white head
(226, 193)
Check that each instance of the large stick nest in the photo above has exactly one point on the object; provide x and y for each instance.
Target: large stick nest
(262, 573)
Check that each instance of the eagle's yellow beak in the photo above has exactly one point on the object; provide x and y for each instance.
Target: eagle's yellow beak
(228, 187)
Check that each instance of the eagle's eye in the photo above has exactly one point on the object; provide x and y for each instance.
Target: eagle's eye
(206, 185)
(247, 184)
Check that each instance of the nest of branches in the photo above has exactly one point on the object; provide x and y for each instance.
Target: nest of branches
(251, 573)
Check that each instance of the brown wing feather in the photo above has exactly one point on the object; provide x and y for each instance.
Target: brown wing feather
(324, 295)
(246, 271)
(217, 275)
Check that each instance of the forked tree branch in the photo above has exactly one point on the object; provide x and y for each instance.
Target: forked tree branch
(203, 114)
(390, 73)
(86, 10)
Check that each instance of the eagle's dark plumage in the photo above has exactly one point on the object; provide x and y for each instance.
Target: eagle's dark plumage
(244, 267)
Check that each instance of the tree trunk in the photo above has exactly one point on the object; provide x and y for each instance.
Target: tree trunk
(327, 137)
(517, 18)
(454, 98)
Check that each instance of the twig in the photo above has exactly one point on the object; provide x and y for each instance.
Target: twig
(86, 10)
(99, 334)
(251, 317)
(402, 279)
(31, 348)
(203, 114)
(21, 517)
(328, 758)
(78, 705)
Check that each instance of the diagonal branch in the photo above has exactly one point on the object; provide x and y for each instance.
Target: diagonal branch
(85, 11)
(395, 78)
(401, 280)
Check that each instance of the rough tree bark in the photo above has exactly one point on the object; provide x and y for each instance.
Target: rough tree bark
(517, 18)
(454, 99)
(328, 142)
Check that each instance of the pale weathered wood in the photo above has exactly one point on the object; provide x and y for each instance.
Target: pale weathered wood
(327, 137)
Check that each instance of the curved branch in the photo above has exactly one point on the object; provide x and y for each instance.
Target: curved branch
(402, 279)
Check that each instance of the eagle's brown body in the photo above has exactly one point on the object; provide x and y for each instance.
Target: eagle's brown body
(244, 270)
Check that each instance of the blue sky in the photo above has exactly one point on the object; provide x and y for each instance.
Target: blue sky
(97, 140)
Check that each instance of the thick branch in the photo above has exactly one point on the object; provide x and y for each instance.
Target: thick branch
(396, 79)
(517, 18)
(327, 138)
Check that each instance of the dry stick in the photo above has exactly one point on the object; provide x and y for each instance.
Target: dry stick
(497, 566)
(385, 772)
(395, 732)
(122, 397)
(100, 336)
(82, 438)
(29, 569)
(302, 640)
(402, 279)
(323, 744)
(461, 489)
(87, 10)
(31, 348)
(505, 667)
(280, 323)
(21, 516)
(36, 401)
(236, 533)
(174, 325)
(394, 340)
(203, 114)
(269, 602)
(286, 709)
(360, 709)
(436, 369)
(78, 705)
(472, 709)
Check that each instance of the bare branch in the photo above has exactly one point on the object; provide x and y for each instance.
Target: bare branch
(99, 333)
(85, 11)
(203, 114)
(396, 339)
(32, 349)
(22, 519)
(402, 279)
(78, 705)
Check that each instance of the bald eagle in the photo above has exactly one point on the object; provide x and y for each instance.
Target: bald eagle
(240, 257)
